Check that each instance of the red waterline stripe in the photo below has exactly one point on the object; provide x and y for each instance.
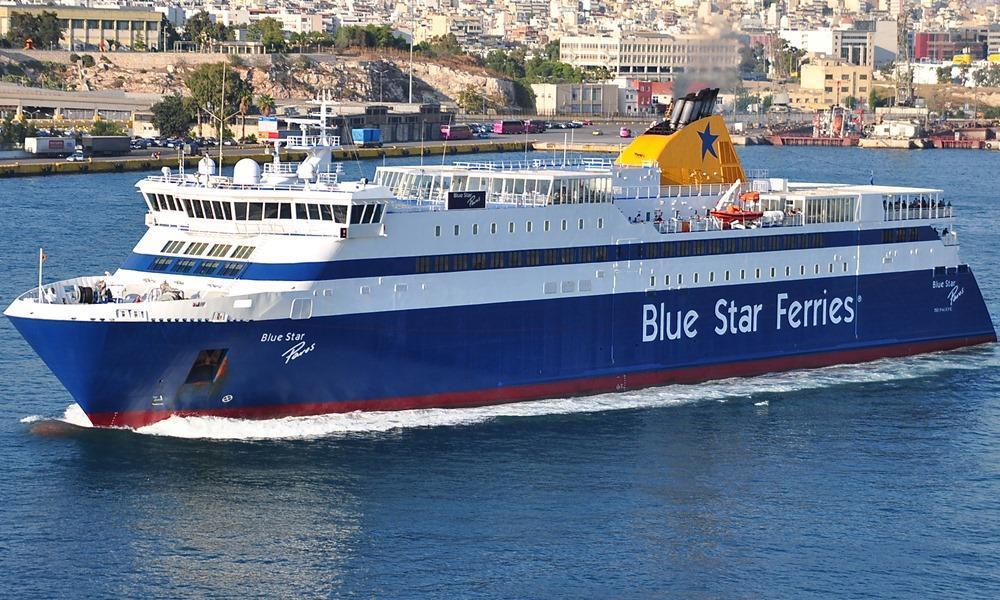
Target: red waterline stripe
(574, 387)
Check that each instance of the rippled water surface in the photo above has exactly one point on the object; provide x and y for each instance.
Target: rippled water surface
(880, 479)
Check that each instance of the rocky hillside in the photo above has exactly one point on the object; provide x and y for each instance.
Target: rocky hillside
(350, 78)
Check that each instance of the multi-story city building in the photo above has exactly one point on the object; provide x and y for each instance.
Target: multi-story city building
(830, 81)
(944, 45)
(96, 28)
(852, 45)
(652, 56)
(575, 98)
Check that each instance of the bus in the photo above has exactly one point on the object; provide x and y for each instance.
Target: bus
(456, 132)
(503, 127)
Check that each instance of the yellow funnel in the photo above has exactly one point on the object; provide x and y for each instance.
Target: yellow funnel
(699, 152)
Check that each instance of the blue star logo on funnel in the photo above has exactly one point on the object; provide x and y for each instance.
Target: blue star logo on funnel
(708, 142)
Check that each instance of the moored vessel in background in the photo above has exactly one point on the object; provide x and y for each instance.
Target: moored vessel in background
(284, 290)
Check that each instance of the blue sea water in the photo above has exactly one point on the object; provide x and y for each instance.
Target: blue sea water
(880, 479)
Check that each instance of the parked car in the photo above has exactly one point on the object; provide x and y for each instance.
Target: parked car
(625, 132)
(597, 132)
(79, 156)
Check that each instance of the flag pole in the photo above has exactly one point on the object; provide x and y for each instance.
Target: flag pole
(41, 259)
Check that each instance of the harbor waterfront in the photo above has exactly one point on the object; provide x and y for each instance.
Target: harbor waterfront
(876, 479)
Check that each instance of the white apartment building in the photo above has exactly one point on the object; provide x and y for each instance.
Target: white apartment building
(652, 56)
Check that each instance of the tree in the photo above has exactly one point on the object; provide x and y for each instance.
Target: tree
(172, 116)
(269, 32)
(202, 30)
(851, 102)
(206, 86)
(106, 128)
(169, 35)
(246, 101)
(472, 99)
(944, 75)
(551, 51)
(87, 61)
(873, 99)
(266, 104)
(43, 30)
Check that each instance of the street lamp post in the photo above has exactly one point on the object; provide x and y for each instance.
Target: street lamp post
(412, 32)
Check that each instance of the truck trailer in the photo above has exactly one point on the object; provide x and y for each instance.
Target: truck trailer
(50, 146)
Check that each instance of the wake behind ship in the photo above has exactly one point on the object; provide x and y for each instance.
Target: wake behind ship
(284, 291)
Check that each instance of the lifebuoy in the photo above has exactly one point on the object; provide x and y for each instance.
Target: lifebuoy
(989, 146)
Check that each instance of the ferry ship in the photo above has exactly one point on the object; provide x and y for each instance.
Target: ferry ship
(284, 290)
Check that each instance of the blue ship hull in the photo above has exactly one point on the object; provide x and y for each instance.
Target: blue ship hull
(133, 374)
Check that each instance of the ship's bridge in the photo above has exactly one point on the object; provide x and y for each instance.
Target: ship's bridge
(263, 204)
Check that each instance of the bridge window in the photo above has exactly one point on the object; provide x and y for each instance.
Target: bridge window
(243, 251)
(326, 212)
(255, 211)
(196, 248)
(301, 212)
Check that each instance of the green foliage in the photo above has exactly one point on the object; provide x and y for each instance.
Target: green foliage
(87, 61)
(944, 75)
(172, 116)
(988, 76)
(851, 102)
(875, 99)
(767, 103)
(544, 67)
(510, 63)
(74, 57)
(786, 60)
(43, 29)
(551, 51)
(170, 35)
(369, 36)
(266, 104)
(269, 32)
(753, 60)
(206, 87)
(991, 112)
(472, 100)
(13, 133)
(202, 30)
(441, 46)
(106, 128)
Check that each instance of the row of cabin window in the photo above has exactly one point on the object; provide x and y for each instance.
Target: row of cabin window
(908, 234)
(510, 259)
(727, 274)
(258, 211)
(198, 248)
(562, 256)
(204, 267)
(802, 241)
(528, 227)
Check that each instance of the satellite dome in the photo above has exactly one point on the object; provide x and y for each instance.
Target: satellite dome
(246, 172)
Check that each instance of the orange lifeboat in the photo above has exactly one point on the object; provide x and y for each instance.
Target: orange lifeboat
(741, 210)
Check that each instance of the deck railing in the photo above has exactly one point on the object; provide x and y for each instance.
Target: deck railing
(903, 211)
